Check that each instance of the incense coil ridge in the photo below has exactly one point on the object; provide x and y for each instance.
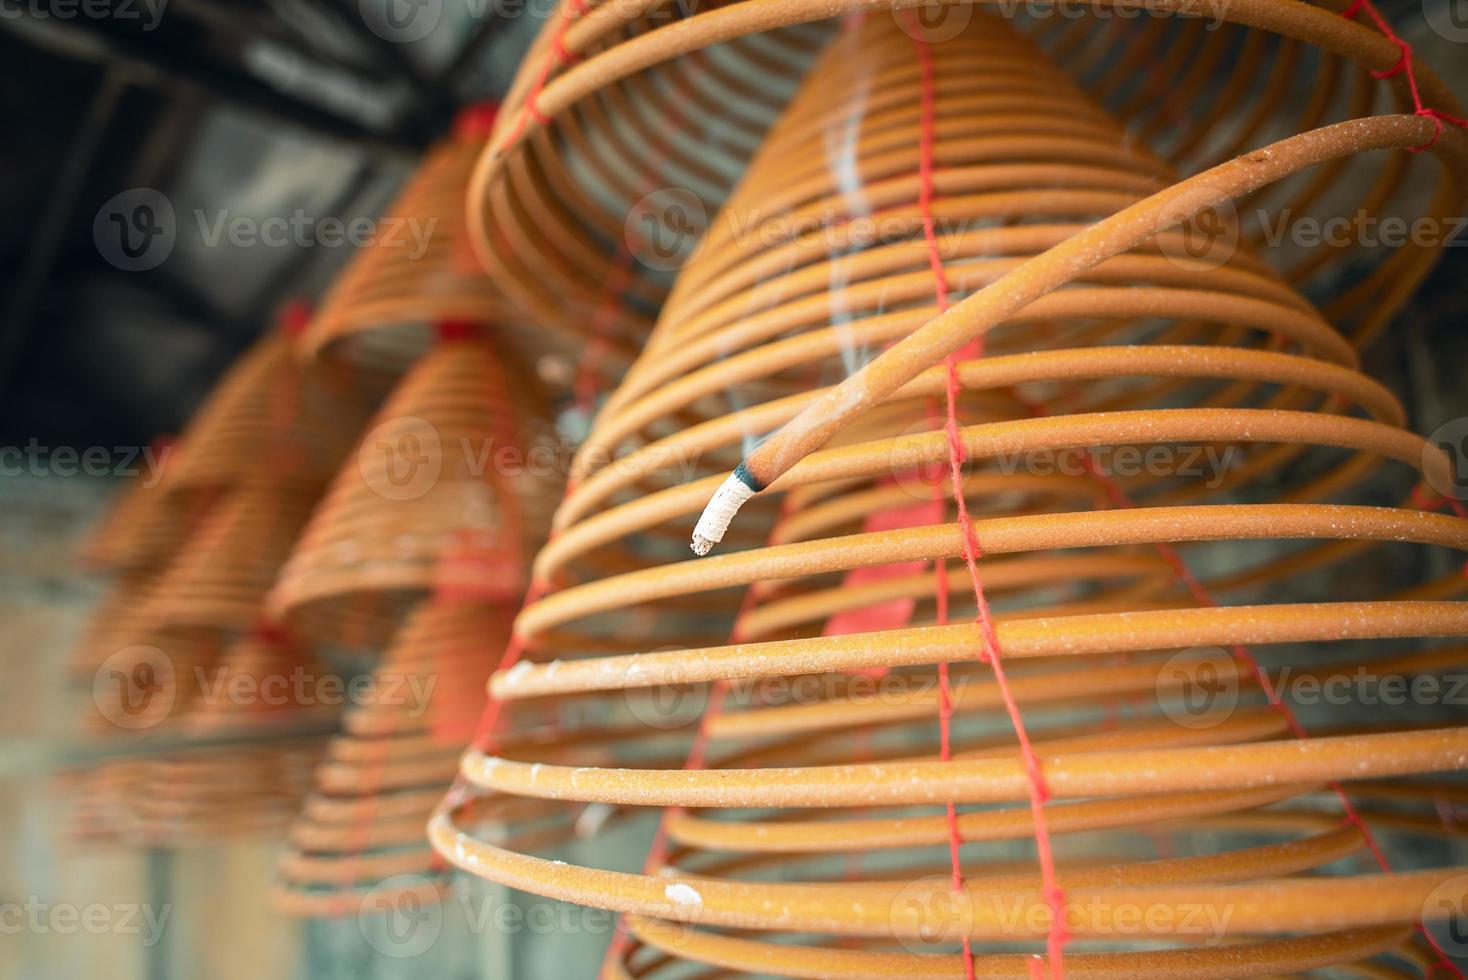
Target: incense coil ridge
(1198, 113)
(806, 835)
(443, 485)
(146, 679)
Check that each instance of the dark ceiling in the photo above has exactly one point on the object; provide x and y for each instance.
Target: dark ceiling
(269, 108)
(261, 108)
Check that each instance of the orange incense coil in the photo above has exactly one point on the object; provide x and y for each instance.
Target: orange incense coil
(272, 417)
(150, 678)
(398, 753)
(117, 616)
(810, 837)
(446, 482)
(200, 794)
(224, 571)
(267, 681)
(145, 526)
(1359, 234)
(96, 802)
(595, 213)
(417, 272)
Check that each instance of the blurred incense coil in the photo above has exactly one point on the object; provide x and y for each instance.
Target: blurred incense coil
(200, 794)
(146, 524)
(113, 623)
(97, 801)
(223, 572)
(267, 682)
(805, 829)
(189, 796)
(418, 271)
(274, 419)
(399, 751)
(452, 480)
(150, 678)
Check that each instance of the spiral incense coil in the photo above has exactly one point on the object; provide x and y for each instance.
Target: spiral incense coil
(400, 748)
(272, 417)
(418, 270)
(266, 682)
(97, 801)
(571, 235)
(223, 572)
(202, 794)
(1200, 88)
(150, 678)
(114, 621)
(146, 525)
(807, 829)
(443, 482)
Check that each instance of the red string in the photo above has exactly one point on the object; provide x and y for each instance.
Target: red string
(1404, 65)
(265, 630)
(991, 653)
(475, 121)
(448, 330)
(295, 316)
(556, 56)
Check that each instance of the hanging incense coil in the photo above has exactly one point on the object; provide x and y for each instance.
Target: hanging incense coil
(266, 682)
(97, 801)
(446, 482)
(116, 618)
(150, 678)
(808, 835)
(190, 796)
(272, 417)
(573, 236)
(398, 753)
(146, 525)
(1360, 234)
(214, 791)
(221, 576)
(417, 272)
